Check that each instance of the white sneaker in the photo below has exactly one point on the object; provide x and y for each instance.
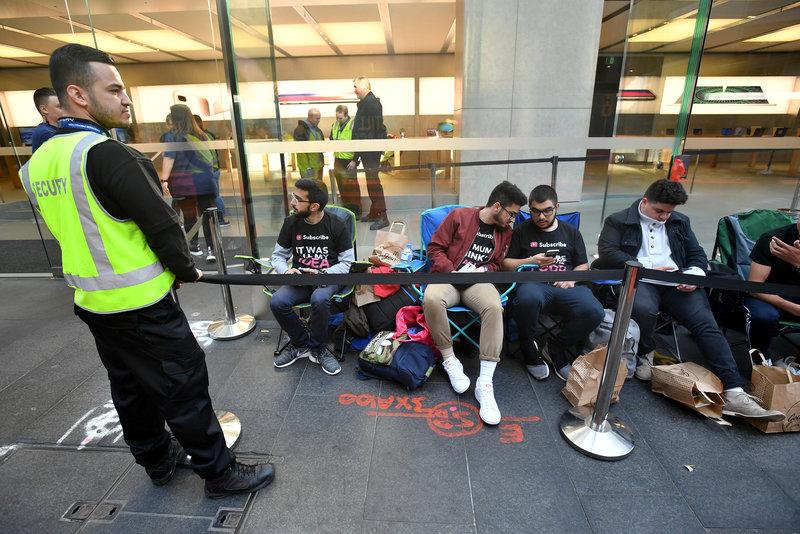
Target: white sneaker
(455, 372)
(644, 367)
(484, 393)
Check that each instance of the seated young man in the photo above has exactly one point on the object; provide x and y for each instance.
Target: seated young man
(651, 232)
(316, 242)
(775, 258)
(472, 240)
(553, 245)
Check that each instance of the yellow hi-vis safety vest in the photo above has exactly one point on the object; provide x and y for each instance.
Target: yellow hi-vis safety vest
(342, 133)
(106, 260)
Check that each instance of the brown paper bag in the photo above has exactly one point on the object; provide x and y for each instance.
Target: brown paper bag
(692, 385)
(583, 381)
(389, 245)
(777, 389)
(364, 295)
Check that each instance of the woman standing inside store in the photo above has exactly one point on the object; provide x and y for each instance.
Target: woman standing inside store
(189, 175)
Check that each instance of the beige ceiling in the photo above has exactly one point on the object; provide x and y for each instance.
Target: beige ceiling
(143, 31)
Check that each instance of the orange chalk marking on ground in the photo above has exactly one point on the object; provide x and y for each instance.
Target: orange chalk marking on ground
(450, 419)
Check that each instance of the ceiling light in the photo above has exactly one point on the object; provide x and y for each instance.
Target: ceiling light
(792, 33)
(292, 35)
(163, 40)
(355, 33)
(676, 30)
(13, 52)
(106, 43)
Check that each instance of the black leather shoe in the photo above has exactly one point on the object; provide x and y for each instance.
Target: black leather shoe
(162, 472)
(369, 217)
(240, 478)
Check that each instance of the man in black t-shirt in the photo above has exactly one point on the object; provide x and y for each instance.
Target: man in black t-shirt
(553, 245)
(316, 242)
(775, 258)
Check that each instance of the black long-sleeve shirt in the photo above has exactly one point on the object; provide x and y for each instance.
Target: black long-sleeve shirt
(127, 186)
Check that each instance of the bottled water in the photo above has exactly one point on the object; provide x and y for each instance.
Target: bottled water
(408, 254)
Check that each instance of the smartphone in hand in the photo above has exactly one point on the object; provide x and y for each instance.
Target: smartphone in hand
(551, 253)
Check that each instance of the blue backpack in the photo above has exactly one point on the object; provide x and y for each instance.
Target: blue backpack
(411, 365)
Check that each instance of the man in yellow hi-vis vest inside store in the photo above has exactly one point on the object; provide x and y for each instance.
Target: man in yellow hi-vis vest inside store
(346, 179)
(122, 250)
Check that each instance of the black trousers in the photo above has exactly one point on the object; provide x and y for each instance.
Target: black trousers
(193, 207)
(158, 374)
(347, 182)
(371, 162)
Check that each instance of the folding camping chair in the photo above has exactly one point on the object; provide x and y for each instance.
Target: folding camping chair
(339, 301)
(430, 220)
(737, 235)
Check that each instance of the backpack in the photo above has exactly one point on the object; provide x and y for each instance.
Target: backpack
(411, 365)
(356, 320)
(381, 348)
(602, 334)
(381, 315)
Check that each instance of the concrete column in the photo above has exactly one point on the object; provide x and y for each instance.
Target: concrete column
(524, 68)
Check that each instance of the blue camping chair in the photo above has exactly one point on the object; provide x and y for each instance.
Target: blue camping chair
(572, 217)
(339, 301)
(429, 221)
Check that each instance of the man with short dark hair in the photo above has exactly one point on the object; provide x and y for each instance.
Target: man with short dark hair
(776, 259)
(315, 242)
(123, 250)
(472, 240)
(556, 246)
(46, 103)
(651, 232)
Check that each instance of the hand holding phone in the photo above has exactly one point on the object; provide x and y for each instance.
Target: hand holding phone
(551, 253)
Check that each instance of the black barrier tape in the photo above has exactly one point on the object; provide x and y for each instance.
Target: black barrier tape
(351, 279)
(715, 282)
(505, 277)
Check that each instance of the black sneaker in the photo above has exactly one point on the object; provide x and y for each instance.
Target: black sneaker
(558, 358)
(224, 222)
(240, 478)
(162, 472)
(381, 222)
(326, 360)
(195, 251)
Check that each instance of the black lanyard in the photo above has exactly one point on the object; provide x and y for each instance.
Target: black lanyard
(73, 124)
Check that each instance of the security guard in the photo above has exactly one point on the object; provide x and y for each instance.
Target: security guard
(346, 179)
(123, 249)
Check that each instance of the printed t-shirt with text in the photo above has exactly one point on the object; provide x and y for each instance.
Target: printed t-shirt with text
(529, 240)
(315, 246)
(482, 247)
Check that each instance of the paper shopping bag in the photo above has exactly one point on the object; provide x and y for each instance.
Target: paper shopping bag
(584, 377)
(691, 385)
(389, 245)
(364, 295)
(777, 389)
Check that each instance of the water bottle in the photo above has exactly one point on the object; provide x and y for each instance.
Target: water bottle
(408, 254)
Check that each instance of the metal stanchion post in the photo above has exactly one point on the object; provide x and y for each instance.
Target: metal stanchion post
(596, 433)
(554, 172)
(231, 327)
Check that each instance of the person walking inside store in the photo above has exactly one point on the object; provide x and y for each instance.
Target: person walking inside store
(346, 179)
(651, 232)
(215, 166)
(368, 124)
(123, 251)
(472, 240)
(189, 176)
(46, 103)
(310, 164)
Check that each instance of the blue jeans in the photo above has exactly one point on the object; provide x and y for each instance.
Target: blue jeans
(764, 318)
(286, 297)
(692, 311)
(579, 309)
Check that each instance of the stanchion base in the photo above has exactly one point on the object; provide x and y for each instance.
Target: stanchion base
(231, 427)
(613, 442)
(222, 330)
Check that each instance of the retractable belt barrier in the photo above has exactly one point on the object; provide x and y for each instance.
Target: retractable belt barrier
(505, 277)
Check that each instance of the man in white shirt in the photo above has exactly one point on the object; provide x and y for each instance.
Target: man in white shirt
(651, 232)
